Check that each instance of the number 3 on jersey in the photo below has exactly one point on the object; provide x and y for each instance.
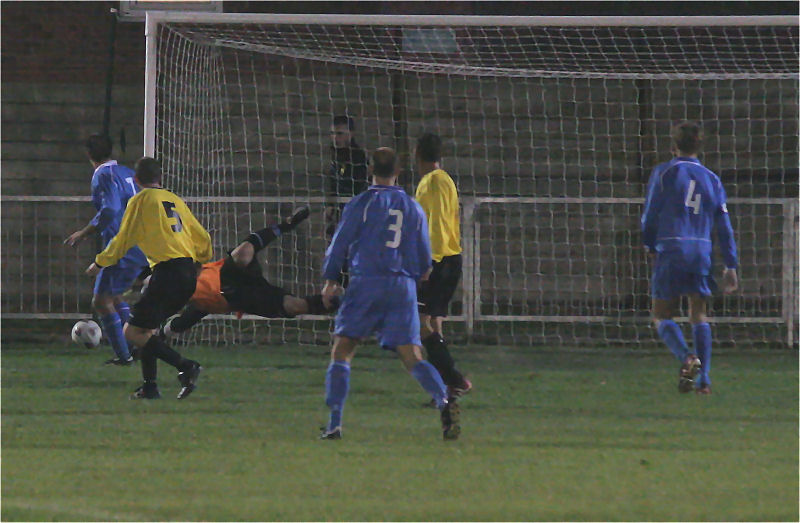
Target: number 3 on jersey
(692, 199)
(169, 208)
(396, 228)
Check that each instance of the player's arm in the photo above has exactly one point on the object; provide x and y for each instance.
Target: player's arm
(652, 208)
(128, 236)
(722, 223)
(425, 196)
(346, 232)
(199, 236)
(109, 207)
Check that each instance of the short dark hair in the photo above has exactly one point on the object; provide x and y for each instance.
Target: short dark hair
(148, 170)
(99, 147)
(384, 162)
(429, 147)
(687, 137)
(343, 119)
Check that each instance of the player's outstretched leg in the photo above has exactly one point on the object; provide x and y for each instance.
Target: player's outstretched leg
(188, 318)
(315, 305)
(298, 216)
(245, 252)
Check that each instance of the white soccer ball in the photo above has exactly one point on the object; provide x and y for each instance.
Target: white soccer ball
(87, 333)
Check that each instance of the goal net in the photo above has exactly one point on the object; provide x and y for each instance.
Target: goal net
(551, 128)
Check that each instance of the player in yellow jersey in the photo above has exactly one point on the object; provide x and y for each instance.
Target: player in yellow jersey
(437, 195)
(164, 228)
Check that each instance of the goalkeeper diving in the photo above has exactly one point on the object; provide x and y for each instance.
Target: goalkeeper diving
(236, 284)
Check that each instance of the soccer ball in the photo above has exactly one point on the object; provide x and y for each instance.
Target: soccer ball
(87, 333)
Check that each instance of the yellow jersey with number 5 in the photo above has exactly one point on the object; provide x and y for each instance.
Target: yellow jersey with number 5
(437, 195)
(163, 227)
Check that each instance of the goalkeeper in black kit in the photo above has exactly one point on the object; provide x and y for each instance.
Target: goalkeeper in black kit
(236, 284)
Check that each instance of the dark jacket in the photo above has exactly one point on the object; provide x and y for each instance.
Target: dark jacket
(347, 173)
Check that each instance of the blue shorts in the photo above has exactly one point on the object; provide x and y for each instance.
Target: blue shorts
(115, 280)
(382, 306)
(672, 281)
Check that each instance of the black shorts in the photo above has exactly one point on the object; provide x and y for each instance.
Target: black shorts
(435, 294)
(171, 285)
(247, 291)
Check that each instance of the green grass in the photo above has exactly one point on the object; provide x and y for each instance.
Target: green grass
(546, 436)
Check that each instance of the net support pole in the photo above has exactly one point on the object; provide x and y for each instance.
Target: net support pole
(468, 278)
(789, 305)
(150, 72)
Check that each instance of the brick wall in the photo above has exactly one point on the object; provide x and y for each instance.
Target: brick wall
(54, 64)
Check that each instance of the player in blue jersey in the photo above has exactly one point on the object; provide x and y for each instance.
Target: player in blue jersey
(384, 235)
(112, 186)
(685, 203)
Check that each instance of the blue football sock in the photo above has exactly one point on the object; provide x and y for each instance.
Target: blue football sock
(672, 335)
(124, 311)
(702, 345)
(427, 376)
(112, 325)
(337, 383)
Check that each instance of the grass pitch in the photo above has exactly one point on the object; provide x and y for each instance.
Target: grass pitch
(547, 435)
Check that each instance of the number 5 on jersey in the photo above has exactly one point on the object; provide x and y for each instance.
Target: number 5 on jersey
(169, 208)
(396, 228)
(692, 199)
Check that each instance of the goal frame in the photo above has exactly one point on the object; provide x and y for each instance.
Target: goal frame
(470, 237)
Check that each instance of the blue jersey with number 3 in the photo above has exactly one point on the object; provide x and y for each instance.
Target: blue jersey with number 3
(112, 186)
(383, 232)
(685, 203)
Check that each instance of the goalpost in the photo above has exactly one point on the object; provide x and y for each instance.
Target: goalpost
(551, 125)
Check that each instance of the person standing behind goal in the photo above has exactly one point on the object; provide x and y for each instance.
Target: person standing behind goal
(437, 195)
(161, 224)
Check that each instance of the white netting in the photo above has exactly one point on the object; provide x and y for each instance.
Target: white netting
(550, 134)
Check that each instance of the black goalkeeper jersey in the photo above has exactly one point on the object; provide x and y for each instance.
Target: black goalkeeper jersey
(347, 174)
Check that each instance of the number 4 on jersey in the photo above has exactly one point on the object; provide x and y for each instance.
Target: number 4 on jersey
(692, 199)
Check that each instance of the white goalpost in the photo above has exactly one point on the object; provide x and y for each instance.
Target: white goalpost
(551, 127)
(553, 124)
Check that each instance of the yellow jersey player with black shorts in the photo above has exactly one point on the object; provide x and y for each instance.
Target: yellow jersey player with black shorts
(437, 195)
(164, 228)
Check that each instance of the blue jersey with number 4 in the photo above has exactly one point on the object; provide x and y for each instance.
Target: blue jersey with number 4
(685, 203)
(112, 186)
(383, 232)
